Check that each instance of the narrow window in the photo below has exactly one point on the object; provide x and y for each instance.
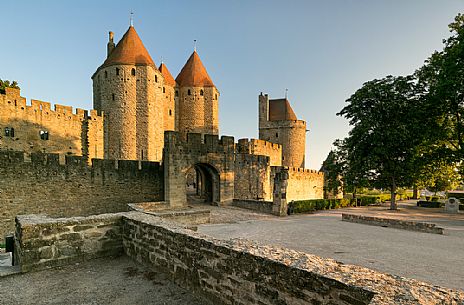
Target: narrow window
(188, 92)
(133, 72)
(277, 135)
(201, 92)
(117, 71)
(12, 132)
(170, 112)
(106, 74)
(44, 135)
(7, 131)
(177, 93)
(156, 78)
(164, 90)
(215, 97)
(112, 96)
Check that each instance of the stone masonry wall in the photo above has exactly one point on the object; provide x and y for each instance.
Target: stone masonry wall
(302, 183)
(68, 133)
(44, 186)
(43, 242)
(261, 147)
(251, 179)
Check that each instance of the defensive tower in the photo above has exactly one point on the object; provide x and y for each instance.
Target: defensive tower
(128, 90)
(279, 124)
(197, 99)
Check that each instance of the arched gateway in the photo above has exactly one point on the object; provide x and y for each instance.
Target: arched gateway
(211, 158)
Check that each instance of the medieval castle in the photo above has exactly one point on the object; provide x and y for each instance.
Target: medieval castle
(142, 114)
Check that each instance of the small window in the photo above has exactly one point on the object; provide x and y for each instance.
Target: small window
(117, 71)
(177, 93)
(188, 92)
(43, 135)
(201, 92)
(164, 90)
(215, 97)
(133, 72)
(106, 74)
(170, 112)
(112, 96)
(12, 132)
(277, 134)
(156, 78)
(7, 131)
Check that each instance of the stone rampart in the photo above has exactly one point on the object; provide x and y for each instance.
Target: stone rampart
(43, 242)
(251, 179)
(261, 147)
(45, 186)
(40, 128)
(255, 205)
(302, 183)
(393, 223)
(234, 271)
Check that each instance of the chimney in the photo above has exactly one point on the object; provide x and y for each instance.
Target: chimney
(110, 45)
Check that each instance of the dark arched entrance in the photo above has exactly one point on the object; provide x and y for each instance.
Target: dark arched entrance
(203, 184)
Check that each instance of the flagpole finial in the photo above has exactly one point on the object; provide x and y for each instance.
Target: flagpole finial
(194, 45)
(131, 19)
(286, 93)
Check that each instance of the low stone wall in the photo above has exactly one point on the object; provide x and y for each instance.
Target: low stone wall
(43, 242)
(223, 271)
(255, 205)
(394, 223)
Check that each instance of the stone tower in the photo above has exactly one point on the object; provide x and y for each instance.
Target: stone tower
(197, 99)
(170, 100)
(279, 124)
(128, 90)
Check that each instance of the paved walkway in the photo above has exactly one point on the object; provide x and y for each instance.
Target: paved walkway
(433, 258)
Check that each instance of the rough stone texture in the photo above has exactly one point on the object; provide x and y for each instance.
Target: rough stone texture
(302, 183)
(394, 223)
(255, 205)
(263, 148)
(68, 133)
(242, 272)
(212, 157)
(133, 107)
(74, 189)
(291, 134)
(198, 113)
(43, 242)
(252, 177)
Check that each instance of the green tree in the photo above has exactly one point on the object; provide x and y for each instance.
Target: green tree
(380, 148)
(7, 84)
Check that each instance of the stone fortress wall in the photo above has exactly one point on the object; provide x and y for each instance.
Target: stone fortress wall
(39, 128)
(44, 185)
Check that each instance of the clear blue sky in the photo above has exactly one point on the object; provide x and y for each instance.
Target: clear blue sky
(322, 51)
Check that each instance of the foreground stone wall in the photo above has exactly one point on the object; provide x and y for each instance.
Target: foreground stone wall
(45, 186)
(43, 242)
(255, 205)
(223, 271)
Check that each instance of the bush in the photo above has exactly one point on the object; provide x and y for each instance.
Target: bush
(304, 206)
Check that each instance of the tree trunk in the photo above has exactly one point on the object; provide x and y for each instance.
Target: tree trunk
(393, 205)
(415, 192)
(354, 197)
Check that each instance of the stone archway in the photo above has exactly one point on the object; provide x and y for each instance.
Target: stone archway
(203, 184)
(211, 157)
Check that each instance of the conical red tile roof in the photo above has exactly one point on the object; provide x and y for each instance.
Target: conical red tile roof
(168, 79)
(129, 50)
(194, 74)
(280, 110)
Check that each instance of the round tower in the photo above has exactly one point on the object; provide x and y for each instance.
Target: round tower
(197, 99)
(128, 91)
(170, 100)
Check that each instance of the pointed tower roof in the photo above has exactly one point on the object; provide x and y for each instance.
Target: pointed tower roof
(129, 50)
(169, 80)
(194, 74)
(280, 110)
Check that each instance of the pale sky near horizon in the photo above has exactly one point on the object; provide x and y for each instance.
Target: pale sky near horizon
(322, 51)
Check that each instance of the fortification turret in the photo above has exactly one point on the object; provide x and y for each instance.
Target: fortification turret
(279, 124)
(170, 100)
(128, 89)
(198, 99)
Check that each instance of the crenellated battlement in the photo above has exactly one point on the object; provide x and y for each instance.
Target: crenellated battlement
(248, 145)
(173, 141)
(12, 159)
(13, 100)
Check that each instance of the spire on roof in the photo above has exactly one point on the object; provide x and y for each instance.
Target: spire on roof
(131, 22)
(168, 79)
(129, 50)
(194, 74)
